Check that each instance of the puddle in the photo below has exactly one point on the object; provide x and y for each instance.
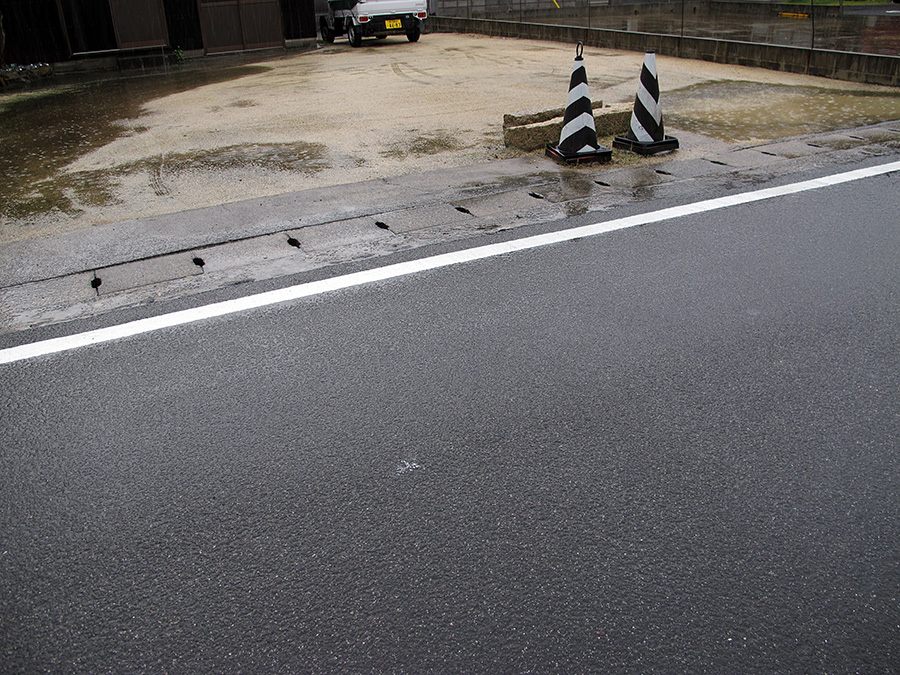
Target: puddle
(426, 144)
(747, 111)
(298, 157)
(42, 131)
(575, 185)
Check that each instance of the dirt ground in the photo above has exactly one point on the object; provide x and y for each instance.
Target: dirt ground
(79, 155)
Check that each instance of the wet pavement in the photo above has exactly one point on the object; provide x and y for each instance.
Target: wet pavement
(670, 448)
(44, 130)
(740, 112)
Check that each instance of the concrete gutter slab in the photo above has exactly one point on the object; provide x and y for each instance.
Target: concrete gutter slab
(420, 217)
(692, 168)
(489, 175)
(146, 272)
(237, 253)
(635, 177)
(513, 203)
(747, 158)
(25, 303)
(573, 186)
(341, 233)
(791, 149)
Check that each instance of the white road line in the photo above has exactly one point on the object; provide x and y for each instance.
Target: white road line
(61, 344)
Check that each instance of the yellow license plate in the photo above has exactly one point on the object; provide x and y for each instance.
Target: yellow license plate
(393, 23)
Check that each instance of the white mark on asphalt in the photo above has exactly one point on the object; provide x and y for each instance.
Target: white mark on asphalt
(69, 342)
(405, 467)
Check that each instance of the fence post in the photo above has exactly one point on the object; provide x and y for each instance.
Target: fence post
(812, 16)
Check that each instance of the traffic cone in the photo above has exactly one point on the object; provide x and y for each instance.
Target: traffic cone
(646, 135)
(578, 138)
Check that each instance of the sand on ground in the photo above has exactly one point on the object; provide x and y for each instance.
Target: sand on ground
(339, 115)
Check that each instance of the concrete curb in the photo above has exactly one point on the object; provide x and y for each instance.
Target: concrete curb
(83, 274)
(520, 133)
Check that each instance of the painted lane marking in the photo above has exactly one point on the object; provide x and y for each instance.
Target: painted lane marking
(305, 290)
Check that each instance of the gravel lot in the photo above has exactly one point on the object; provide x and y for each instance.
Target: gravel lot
(89, 154)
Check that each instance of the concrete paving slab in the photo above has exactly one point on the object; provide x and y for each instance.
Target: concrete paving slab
(146, 272)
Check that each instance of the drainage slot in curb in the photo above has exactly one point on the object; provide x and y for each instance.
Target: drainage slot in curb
(857, 138)
(770, 154)
(293, 242)
(663, 173)
(536, 195)
(199, 262)
(813, 145)
(95, 282)
(463, 209)
(383, 226)
(715, 161)
(600, 182)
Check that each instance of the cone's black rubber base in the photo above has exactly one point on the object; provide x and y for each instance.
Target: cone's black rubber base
(601, 154)
(668, 144)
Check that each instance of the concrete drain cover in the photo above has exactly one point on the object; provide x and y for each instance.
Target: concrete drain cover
(146, 272)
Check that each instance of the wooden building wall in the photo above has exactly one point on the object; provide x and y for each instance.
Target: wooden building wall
(58, 30)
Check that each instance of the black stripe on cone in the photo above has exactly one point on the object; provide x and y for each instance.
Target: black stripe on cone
(578, 137)
(646, 135)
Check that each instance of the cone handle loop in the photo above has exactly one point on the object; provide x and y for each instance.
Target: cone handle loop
(579, 50)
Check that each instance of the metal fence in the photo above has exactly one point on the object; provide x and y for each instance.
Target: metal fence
(865, 26)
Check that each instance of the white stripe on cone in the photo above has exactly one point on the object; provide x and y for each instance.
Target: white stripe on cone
(650, 62)
(580, 91)
(649, 103)
(583, 120)
(639, 132)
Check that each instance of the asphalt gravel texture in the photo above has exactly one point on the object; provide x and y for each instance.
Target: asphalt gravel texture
(668, 448)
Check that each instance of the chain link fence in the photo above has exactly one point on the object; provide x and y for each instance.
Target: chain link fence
(863, 26)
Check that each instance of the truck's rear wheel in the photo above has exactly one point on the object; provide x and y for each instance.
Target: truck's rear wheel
(354, 36)
(413, 33)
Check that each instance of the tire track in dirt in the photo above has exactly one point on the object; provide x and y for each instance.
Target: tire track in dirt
(398, 71)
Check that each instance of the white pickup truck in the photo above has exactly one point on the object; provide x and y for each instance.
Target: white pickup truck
(372, 18)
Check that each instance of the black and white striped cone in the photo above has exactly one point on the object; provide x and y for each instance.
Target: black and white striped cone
(578, 138)
(646, 135)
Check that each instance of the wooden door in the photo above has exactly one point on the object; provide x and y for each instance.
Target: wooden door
(235, 25)
(261, 24)
(139, 23)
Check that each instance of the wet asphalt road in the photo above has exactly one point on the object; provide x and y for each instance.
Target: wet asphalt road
(670, 448)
